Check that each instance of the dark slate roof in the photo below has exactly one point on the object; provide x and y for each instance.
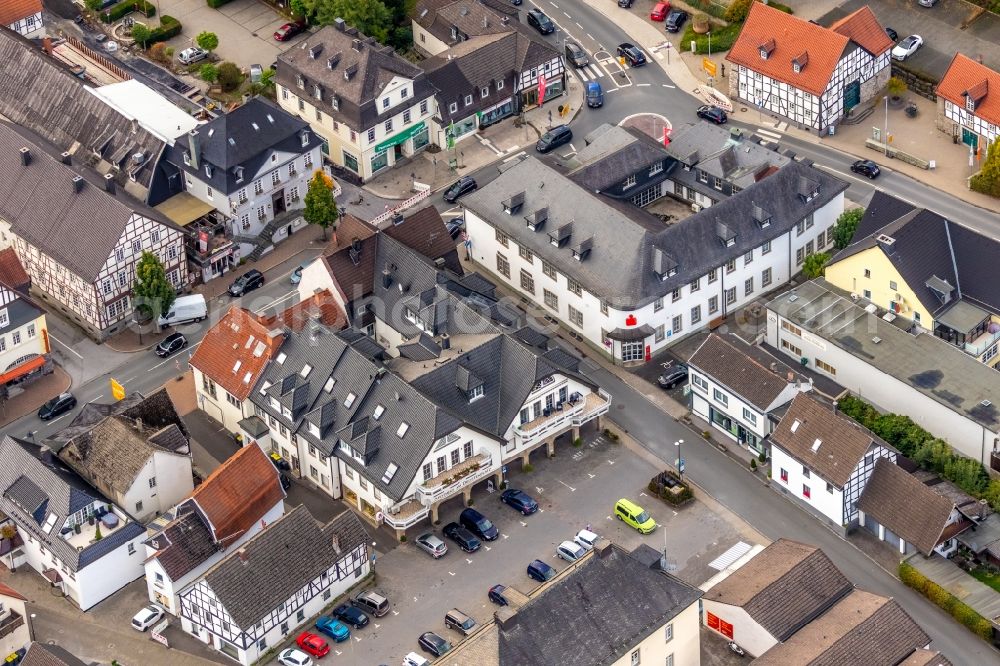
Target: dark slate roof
(615, 153)
(721, 360)
(43, 654)
(882, 209)
(374, 66)
(424, 231)
(20, 311)
(470, 66)
(926, 658)
(183, 544)
(439, 17)
(628, 236)
(246, 583)
(245, 137)
(595, 614)
(716, 151)
(783, 587)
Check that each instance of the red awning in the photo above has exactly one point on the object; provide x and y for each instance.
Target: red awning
(52, 576)
(22, 369)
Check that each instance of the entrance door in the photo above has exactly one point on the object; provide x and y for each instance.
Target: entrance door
(278, 202)
(852, 95)
(970, 138)
(397, 152)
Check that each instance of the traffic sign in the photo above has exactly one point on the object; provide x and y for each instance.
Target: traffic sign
(117, 390)
(708, 65)
(504, 469)
(680, 466)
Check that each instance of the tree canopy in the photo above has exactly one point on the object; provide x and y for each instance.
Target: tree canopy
(207, 40)
(153, 294)
(321, 208)
(845, 227)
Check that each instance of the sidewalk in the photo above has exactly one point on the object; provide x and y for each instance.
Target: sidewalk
(34, 395)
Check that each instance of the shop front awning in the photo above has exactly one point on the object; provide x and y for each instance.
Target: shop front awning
(401, 137)
(22, 370)
(183, 208)
(631, 334)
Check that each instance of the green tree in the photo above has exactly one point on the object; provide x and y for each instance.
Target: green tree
(304, 9)
(737, 11)
(815, 264)
(208, 41)
(371, 17)
(152, 291)
(266, 84)
(230, 76)
(846, 225)
(321, 209)
(209, 72)
(987, 181)
(141, 34)
(93, 5)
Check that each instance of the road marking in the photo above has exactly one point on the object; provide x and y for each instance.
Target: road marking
(774, 136)
(68, 348)
(611, 90)
(505, 536)
(395, 612)
(357, 638)
(377, 626)
(515, 156)
(523, 524)
(450, 573)
(642, 85)
(487, 548)
(60, 418)
(571, 488)
(675, 513)
(609, 517)
(570, 17)
(415, 599)
(541, 511)
(338, 652)
(553, 4)
(572, 147)
(277, 300)
(591, 36)
(578, 25)
(468, 560)
(539, 490)
(667, 85)
(643, 495)
(593, 476)
(611, 462)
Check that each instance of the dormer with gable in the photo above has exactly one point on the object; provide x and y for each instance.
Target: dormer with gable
(968, 102)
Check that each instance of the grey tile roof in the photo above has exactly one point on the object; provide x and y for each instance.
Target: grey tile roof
(439, 17)
(628, 236)
(247, 583)
(720, 153)
(730, 366)
(926, 658)
(783, 587)
(882, 209)
(615, 154)
(183, 544)
(470, 66)
(20, 311)
(594, 615)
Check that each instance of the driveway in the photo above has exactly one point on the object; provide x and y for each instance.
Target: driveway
(245, 29)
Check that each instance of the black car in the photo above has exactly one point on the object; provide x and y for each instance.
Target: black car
(286, 483)
(540, 571)
(520, 500)
(676, 19)
(555, 137)
(673, 376)
(626, 4)
(463, 185)
(431, 642)
(465, 539)
(632, 54)
(171, 344)
(454, 229)
(712, 114)
(893, 35)
(350, 615)
(866, 168)
(478, 524)
(496, 595)
(540, 22)
(57, 406)
(244, 284)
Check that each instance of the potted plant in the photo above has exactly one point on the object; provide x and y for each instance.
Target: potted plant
(895, 88)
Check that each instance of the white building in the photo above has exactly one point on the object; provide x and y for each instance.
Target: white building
(257, 596)
(965, 107)
(567, 250)
(24, 335)
(805, 73)
(824, 459)
(15, 632)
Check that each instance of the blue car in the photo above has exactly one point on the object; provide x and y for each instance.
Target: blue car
(335, 629)
(594, 95)
(541, 571)
(520, 500)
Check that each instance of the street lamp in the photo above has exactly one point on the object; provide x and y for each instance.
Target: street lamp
(885, 127)
(680, 460)
(709, 43)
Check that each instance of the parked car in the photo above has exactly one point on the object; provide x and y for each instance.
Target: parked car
(191, 55)
(540, 571)
(335, 629)
(286, 483)
(350, 615)
(414, 659)
(459, 621)
(625, 4)
(293, 657)
(431, 642)
(57, 406)
(496, 595)
(586, 539)
(674, 375)
(244, 284)
(147, 617)
(570, 551)
(555, 137)
(676, 20)
(575, 54)
(907, 47)
(540, 22)
(296, 276)
(594, 95)
(463, 185)
(893, 35)
(634, 515)
(465, 539)
(279, 462)
(171, 344)
(313, 644)
(184, 310)
(659, 11)
(454, 229)
(520, 500)
(712, 114)
(289, 30)
(372, 602)
(632, 54)
(927, 3)
(478, 524)
(432, 545)
(866, 168)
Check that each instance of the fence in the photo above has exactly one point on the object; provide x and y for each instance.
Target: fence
(412, 201)
(99, 58)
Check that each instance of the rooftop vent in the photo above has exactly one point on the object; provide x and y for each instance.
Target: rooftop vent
(66, 158)
(109, 183)
(25, 156)
(77, 183)
(340, 24)
(356, 44)
(885, 239)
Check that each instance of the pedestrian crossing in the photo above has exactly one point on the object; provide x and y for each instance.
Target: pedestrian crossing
(589, 72)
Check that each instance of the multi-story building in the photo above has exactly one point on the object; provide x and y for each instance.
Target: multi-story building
(965, 107)
(24, 336)
(81, 248)
(441, 24)
(807, 74)
(625, 281)
(369, 107)
(23, 17)
(253, 599)
(15, 632)
(623, 163)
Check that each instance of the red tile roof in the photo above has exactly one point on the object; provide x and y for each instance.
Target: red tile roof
(965, 75)
(321, 306)
(788, 37)
(238, 493)
(12, 11)
(7, 591)
(12, 273)
(239, 337)
(864, 30)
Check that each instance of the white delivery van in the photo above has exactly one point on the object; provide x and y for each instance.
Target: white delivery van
(185, 309)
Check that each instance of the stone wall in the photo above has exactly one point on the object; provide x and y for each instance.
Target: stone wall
(916, 82)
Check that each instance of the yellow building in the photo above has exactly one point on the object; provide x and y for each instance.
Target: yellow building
(912, 263)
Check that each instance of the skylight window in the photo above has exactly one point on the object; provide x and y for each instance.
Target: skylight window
(329, 384)
(389, 473)
(306, 369)
(249, 342)
(349, 400)
(247, 377)
(258, 351)
(281, 358)
(378, 412)
(236, 366)
(815, 446)
(795, 425)
(50, 521)
(403, 427)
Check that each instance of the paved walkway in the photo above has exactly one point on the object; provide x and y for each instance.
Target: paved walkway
(982, 598)
(32, 396)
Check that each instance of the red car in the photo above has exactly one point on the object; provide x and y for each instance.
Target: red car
(289, 30)
(312, 644)
(659, 12)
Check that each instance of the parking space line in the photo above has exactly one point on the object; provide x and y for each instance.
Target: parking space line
(571, 488)
(642, 85)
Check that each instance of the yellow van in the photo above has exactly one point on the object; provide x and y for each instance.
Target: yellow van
(634, 515)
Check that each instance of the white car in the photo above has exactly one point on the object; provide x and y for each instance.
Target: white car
(586, 539)
(570, 551)
(414, 659)
(293, 657)
(192, 55)
(907, 47)
(111, 47)
(147, 617)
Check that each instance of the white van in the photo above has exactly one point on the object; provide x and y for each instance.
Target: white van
(185, 309)
(414, 659)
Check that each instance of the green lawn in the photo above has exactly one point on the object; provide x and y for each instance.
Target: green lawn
(987, 578)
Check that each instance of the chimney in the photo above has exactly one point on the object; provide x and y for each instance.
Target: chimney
(47, 45)
(66, 158)
(984, 509)
(244, 558)
(25, 156)
(77, 183)
(356, 45)
(335, 540)
(790, 376)
(340, 24)
(194, 143)
(109, 183)
(138, 425)
(602, 548)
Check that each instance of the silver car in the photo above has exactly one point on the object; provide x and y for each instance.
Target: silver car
(192, 55)
(432, 545)
(570, 551)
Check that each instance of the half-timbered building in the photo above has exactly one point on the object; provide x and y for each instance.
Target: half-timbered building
(965, 106)
(253, 599)
(23, 17)
(807, 74)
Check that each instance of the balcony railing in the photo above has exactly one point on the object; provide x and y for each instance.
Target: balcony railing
(978, 346)
(571, 414)
(405, 515)
(11, 623)
(450, 482)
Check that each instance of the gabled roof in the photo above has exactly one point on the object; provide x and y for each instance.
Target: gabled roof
(616, 153)
(914, 512)
(12, 273)
(926, 658)
(12, 11)
(731, 367)
(183, 544)
(350, 257)
(235, 350)
(827, 442)
(783, 587)
(321, 307)
(966, 77)
(20, 309)
(7, 591)
(864, 30)
(43, 654)
(248, 584)
(717, 152)
(862, 623)
(424, 231)
(439, 17)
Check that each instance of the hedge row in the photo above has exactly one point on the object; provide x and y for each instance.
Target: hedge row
(116, 12)
(215, 4)
(945, 600)
(661, 490)
(168, 29)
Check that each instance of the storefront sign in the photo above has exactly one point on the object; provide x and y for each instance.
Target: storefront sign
(400, 138)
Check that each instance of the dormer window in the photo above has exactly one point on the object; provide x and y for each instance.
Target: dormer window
(306, 369)
(766, 49)
(239, 174)
(274, 403)
(287, 413)
(513, 204)
(314, 430)
(970, 104)
(187, 158)
(799, 62)
(475, 393)
(379, 410)
(208, 170)
(300, 82)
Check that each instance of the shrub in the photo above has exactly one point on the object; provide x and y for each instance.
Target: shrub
(578, 442)
(753, 464)
(215, 4)
(722, 38)
(815, 264)
(961, 611)
(230, 76)
(762, 457)
(116, 12)
(845, 227)
(528, 468)
(168, 29)
(737, 11)
(209, 72)
(402, 538)
(158, 52)
(895, 86)
(140, 34)
(987, 181)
